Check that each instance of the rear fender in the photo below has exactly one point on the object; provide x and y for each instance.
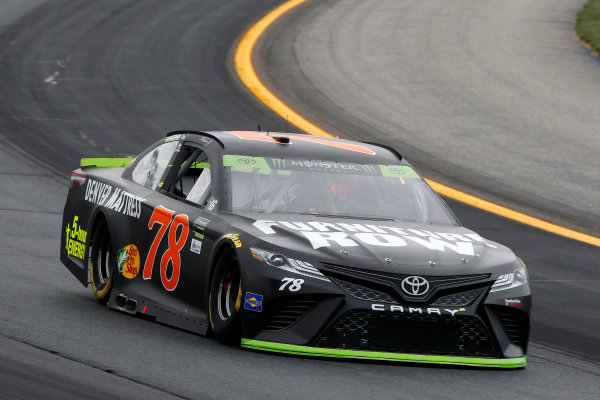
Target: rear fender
(76, 234)
(79, 218)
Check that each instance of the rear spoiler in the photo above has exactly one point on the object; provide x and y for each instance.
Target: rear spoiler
(105, 162)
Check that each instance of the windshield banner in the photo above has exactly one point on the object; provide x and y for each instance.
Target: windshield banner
(267, 165)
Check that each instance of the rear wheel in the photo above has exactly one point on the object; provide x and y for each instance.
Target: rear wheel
(102, 262)
(226, 298)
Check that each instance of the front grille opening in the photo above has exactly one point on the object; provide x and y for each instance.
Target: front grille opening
(461, 299)
(385, 287)
(410, 333)
(364, 293)
(464, 298)
(515, 324)
(286, 312)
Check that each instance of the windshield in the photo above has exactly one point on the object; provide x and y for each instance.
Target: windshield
(331, 189)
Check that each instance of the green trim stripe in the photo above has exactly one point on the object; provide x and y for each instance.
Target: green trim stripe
(105, 162)
(200, 165)
(197, 165)
(376, 355)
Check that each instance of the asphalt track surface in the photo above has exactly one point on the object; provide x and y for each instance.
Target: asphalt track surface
(493, 97)
(127, 72)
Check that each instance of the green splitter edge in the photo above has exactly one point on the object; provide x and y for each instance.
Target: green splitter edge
(376, 355)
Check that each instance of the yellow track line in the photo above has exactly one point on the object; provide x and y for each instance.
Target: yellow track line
(512, 214)
(246, 72)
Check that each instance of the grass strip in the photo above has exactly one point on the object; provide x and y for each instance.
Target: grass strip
(587, 25)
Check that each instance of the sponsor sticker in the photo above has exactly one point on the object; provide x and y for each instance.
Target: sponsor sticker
(97, 192)
(235, 238)
(246, 161)
(205, 141)
(128, 261)
(253, 302)
(196, 246)
(113, 198)
(199, 224)
(174, 138)
(513, 302)
(321, 166)
(75, 238)
(326, 234)
(211, 204)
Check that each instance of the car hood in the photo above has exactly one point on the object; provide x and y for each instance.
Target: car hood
(403, 247)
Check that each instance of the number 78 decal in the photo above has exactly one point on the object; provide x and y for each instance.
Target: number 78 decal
(164, 217)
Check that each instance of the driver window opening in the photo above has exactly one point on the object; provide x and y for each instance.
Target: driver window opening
(192, 181)
(150, 169)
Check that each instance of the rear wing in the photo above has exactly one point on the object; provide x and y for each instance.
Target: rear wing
(105, 162)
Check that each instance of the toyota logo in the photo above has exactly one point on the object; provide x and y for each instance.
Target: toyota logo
(415, 285)
(246, 161)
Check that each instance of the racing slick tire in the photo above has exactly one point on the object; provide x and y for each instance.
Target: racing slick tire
(102, 260)
(225, 299)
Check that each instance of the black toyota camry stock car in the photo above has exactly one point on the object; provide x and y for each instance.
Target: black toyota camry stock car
(294, 244)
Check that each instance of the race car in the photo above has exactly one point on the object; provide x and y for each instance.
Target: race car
(295, 244)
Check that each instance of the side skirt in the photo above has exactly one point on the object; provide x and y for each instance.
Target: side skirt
(139, 305)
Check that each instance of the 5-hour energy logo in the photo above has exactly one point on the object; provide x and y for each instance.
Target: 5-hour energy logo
(75, 239)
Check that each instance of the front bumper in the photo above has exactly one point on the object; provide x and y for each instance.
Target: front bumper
(348, 317)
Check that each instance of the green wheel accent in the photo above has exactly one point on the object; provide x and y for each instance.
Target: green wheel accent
(105, 162)
(376, 355)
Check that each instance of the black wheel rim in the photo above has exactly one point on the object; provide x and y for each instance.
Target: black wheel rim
(102, 259)
(228, 293)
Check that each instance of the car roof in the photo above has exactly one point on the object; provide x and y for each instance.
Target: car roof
(276, 144)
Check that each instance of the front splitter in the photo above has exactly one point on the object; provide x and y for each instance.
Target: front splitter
(376, 355)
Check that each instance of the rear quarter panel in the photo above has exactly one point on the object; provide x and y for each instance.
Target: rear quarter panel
(97, 197)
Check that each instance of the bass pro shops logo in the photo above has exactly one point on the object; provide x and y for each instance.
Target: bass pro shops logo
(128, 261)
(75, 238)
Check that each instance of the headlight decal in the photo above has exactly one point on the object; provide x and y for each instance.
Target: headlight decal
(287, 264)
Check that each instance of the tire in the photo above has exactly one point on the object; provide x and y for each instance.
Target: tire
(225, 299)
(102, 262)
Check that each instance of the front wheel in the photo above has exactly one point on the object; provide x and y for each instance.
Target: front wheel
(225, 299)
(102, 262)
